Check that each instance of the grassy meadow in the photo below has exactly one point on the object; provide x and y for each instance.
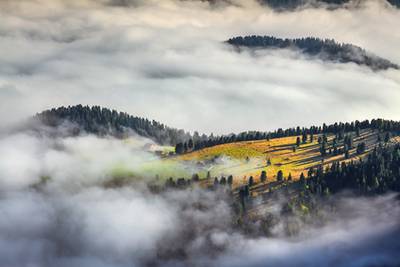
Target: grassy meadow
(245, 159)
(250, 158)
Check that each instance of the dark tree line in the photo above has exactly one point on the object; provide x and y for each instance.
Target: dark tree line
(326, 49)
(293, 4)
(378, 173)
(339, 129)
(182, 183)
(103, 121)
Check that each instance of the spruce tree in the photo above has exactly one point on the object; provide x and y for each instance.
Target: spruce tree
(279, 176)
(263, 176)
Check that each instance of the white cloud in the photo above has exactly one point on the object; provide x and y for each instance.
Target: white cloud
(164, 60)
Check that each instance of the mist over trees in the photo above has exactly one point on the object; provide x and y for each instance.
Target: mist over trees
(328, 50)
(103, 121)
(292, 4)
(282, 5)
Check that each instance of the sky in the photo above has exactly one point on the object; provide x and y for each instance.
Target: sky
(166, 60)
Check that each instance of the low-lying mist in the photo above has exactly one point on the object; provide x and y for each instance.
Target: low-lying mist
(72, 219)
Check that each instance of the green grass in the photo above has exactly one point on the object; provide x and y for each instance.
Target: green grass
(279, 151)
(231, 159)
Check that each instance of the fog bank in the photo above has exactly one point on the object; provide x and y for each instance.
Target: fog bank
(72, 218)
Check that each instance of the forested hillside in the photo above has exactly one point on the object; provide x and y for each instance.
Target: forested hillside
(102, 121)
(377, 174)
(328, 50)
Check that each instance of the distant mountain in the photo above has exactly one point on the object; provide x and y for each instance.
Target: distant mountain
(395, 3)
(283, 5)
(328, 50)
(292, 4)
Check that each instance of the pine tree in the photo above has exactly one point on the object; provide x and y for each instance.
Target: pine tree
(216, 182)
(304, 138)
(323, 149)
(230, 180)
(358, 132)
(361, 148)
(251, 181)
(190, 144)
(302, 178)
(222, 181)
(387, 137)
(279, 176)
(195, 177)
(179, 148)
(263, 176)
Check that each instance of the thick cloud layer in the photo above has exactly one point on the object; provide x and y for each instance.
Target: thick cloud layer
(165, 60)
(125, 227)
(70, 162)
(72, 219)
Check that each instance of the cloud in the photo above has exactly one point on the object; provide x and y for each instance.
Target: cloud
(164, 60)
(129, 226)
(28, 158)
(72, 218)
(345, 241)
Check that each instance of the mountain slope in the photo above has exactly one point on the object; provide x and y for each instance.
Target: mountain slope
(327, 50)
(103, 121)
(292, 151)
(250, 158)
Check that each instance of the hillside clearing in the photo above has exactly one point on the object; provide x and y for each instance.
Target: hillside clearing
(250, 158)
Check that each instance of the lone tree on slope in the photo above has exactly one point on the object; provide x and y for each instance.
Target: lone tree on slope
(263, 176)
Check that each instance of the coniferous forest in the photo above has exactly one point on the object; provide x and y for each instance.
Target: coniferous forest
(103, 121)
(292, 4)
(325, 49)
